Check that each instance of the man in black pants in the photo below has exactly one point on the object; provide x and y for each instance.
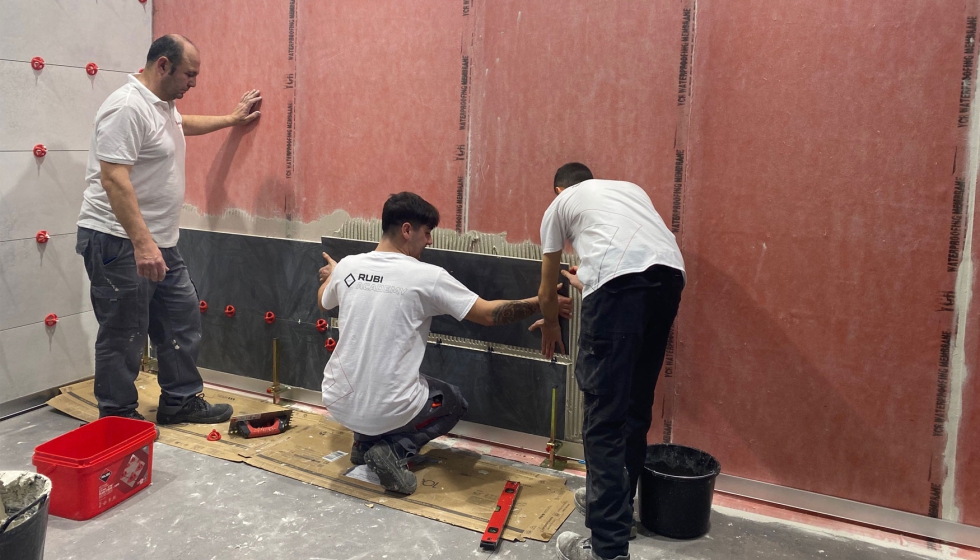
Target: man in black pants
(631, 278)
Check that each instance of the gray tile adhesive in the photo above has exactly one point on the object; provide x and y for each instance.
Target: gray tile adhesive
(17, 490)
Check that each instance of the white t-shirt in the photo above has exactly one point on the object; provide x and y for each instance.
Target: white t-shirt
(134, 127)
(387, 301)
(613, 227)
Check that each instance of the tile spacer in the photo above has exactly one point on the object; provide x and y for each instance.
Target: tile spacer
(203, 306)
(230, 310)
(40, 150)
(321, 325)
(270, 317)
(330, 344)
(214, 435)
(37, 63)
(92, 68)
(495, 528)
(51, 320)
(42, 236)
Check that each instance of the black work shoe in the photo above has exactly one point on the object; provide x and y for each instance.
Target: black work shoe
(131, 414)
(391, 469)
(579, 497)
(357, 452)
(197, 411)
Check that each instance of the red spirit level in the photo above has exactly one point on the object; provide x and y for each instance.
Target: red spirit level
(495, 528)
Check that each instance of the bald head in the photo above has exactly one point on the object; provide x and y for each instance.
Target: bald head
(172, 47)
(172, 66)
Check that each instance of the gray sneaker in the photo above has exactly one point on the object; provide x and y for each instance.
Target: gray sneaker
(579, 496)
(391, 469)
(572, 546)
(580, 500)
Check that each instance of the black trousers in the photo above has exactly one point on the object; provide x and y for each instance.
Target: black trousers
(625, 327)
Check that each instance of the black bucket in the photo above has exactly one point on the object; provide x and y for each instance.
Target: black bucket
(25, 498)
(676, 489)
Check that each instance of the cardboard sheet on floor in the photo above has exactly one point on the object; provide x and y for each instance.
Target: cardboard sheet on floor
(455, 487)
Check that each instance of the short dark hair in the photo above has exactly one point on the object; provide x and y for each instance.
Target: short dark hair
(407, 207)
(170, 46)
(571, 174)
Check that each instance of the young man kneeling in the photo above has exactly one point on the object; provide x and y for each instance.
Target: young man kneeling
(387, 298)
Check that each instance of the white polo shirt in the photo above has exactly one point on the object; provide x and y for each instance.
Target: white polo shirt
(387, 301)
(613, 227)
(134, 127)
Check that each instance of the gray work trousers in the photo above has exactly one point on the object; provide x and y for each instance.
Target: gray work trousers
(441, 412)
(128, 307)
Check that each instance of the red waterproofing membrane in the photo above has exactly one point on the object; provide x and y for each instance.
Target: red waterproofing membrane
(825, 146)
(816, 196)
(243, 46)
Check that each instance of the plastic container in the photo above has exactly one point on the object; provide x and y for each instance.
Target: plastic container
(676, 488)
(97, 465)
(25, 496)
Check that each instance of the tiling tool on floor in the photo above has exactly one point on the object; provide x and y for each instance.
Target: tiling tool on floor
(259, 425)
(495, 528)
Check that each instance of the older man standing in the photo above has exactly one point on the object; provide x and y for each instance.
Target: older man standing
(128, 230)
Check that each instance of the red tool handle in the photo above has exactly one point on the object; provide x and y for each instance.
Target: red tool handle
(250, 431)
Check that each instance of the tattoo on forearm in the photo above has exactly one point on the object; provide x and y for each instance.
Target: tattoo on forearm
(513, 311)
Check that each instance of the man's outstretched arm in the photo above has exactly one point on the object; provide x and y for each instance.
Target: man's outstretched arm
(505, 311)
(195, 125)
(550, 329)
(502, 311)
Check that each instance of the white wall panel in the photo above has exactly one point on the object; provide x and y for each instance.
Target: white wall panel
(115, 34)
(36, 195)
(35, 357)
(37, 279)
(55, 107)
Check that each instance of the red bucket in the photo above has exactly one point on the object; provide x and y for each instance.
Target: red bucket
(96, 466)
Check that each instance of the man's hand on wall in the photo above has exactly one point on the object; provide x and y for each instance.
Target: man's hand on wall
(572, 275)
(243, 113)
(550, 336)
(326, 270)
(564, 307)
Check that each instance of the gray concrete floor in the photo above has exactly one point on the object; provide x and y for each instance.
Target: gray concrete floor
(199, 507)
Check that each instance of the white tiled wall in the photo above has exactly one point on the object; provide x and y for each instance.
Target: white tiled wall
(54, 106)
